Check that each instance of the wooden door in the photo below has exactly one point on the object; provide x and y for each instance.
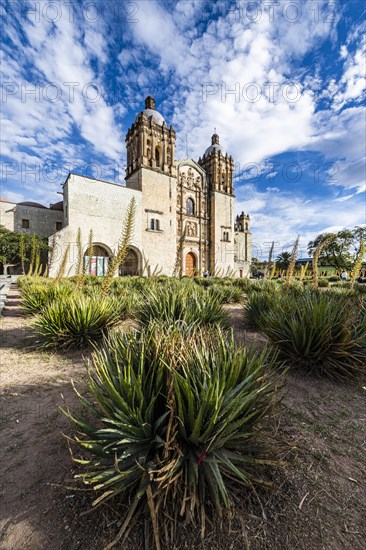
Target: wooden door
(190, 264)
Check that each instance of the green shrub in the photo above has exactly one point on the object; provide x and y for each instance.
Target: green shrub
(333, 279)
(36, 296)
(360, 289)
(181, 301)
(77, 321)
(228, 294)
(323, 283)
(318, 331)
(172, 425)
(256, 307)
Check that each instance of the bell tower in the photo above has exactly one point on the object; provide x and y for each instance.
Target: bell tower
(150, 143)
(219, 167)
(151, 170)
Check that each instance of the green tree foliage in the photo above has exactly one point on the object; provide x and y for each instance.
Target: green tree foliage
(341, 248)
(15, 248)
(283, 260)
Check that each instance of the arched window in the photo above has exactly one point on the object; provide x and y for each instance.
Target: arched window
(98, 263)
(154, 225)
(190, 207)
(157, 156)
(130, 264)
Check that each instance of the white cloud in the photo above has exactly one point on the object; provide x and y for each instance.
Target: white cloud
(280, 217)
(57, 57)
(352, 85)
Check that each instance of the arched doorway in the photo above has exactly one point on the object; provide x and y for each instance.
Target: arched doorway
(190, 264)
(98, 263)
(130, 265)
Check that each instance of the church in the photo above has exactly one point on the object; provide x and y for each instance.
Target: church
(182, 207)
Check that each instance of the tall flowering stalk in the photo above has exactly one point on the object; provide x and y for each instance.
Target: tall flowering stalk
(317, 253)
(33, 255)
(291, 265)
(269, 260)
(272, 271)
(62, 268)
(303, 270)
(89, 254)
(22, 251)
(80, 258)
(123, 246)
(51, 256)
(177, 271)
(358, 262)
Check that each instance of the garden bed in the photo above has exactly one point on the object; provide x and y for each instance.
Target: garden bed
(319, 500)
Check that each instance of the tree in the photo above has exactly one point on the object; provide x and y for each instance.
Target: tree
(283, 260)
(16, 249)
(341, 248)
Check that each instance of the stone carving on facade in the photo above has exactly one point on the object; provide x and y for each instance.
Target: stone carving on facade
(183, 178)
(191, 229)
(190, 178)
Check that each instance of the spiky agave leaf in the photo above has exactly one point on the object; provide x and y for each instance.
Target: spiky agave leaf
(319, 332)
(184, 302)
(175, 416)
(76, 320)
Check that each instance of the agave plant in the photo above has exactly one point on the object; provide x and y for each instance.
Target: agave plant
(318, 331)
(36, 296)
(228, 294)
(77, 320)
(182, 301)
(172, 422)
(257, 306)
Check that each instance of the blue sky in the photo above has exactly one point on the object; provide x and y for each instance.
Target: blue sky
(283, 82)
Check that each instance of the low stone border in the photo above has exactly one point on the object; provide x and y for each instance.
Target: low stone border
(4, 289)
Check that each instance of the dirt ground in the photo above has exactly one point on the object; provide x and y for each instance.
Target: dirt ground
(319, 500)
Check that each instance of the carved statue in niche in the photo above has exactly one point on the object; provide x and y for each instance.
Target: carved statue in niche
(190, 178)
(198, 182)
(183, 178)
(191, 229)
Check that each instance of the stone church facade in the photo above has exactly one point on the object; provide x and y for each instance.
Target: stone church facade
(182, 206)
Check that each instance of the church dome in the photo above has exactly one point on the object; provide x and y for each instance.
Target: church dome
(215, 146)
(30, 203)
(57, 206)
(157, 117)
(151, 111)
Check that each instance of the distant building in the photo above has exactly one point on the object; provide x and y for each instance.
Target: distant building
(174, 198)
(31, 217)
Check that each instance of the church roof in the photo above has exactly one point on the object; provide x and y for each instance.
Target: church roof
(29, 203)
(150, 111)
(157, 117)
(215, 147)
(57, 206)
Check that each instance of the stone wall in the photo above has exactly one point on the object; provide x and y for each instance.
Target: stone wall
(42, 221)
(159, 200)
(222, 220)
(7, 214)
(98, 206)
